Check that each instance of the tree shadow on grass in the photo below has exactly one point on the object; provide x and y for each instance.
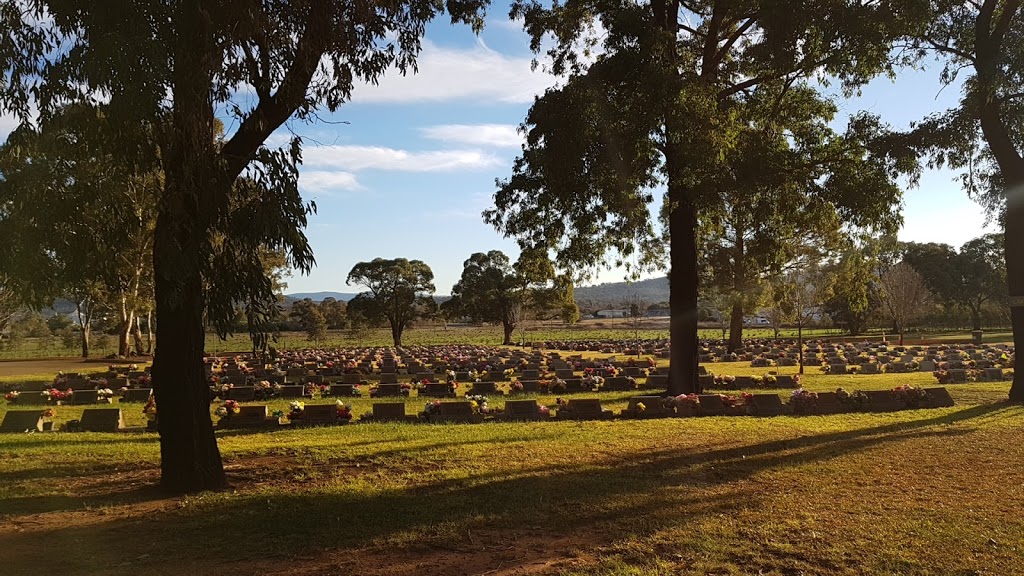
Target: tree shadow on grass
(630, 494)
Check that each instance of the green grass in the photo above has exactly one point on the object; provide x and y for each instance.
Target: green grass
(916, 492)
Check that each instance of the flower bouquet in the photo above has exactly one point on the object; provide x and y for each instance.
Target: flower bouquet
(228, 409)
(344, 411)
(683, 404)
(12, 396)
(855, 400)
(911, 396)
(515, 387)
(104, 394)
(802, 401)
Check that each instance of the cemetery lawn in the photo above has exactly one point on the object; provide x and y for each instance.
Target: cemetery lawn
(915, 492)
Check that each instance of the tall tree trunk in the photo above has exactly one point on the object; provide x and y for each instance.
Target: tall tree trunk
(85, 341)
(85, 323)
(800, 345)
(736, 327)
(149, 331)
(137, 335)
(124, 333)
(189, 458)
(396, 334)
(508, 328)
(1014, 240)
(683, 292)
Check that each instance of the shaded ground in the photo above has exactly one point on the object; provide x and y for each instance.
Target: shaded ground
(924, 492)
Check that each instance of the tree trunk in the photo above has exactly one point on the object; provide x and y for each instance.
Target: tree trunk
(124, 333)
(396, 334)
(149, 331)
(683, 292)
(85, 341)
(736, 327)
(137, 335)
(1014, 247)
(800, 346)
(189, 458)
(508, 328)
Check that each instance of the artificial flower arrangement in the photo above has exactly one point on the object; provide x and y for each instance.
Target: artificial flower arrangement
(144, 380)
(104, 394)
(228, 409)
(295, 410)
(726, 381)
(769, 380)
(344, 411)
(592, 381)
(122, 391)
(56, 395)
(683, 402)
(856, 400)
(12, 396)
(651, 362)
(150, 409)
(515, 387)
(431, 408)
(611, 371)
(479, 403)
(543, 410)
(558, 386)
(450, 375)
(910, 395)
(509, 372)
(262, 390)
(49, 413)
(802, 400)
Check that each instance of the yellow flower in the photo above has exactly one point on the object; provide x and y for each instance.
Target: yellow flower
(640, 407)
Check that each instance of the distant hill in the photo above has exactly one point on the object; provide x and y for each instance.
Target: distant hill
(617, 294)
(342, 296)
(320, 296)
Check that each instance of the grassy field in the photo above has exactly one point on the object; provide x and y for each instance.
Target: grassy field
(924, 492)
(429, 334)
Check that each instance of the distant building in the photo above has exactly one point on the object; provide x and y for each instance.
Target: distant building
(612, 313)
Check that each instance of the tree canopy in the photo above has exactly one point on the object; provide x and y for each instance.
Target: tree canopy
(398, 291)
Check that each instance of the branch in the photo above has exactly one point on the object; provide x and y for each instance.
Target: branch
(946, 48)
(273, 110)
(734, 37)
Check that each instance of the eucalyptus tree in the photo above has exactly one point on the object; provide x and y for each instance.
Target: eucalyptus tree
(790, 184)
(171, 66)
(657, 106)
(82, 197)
(981, 42)
(399, 291)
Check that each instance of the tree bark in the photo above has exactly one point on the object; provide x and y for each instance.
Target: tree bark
(508, 328)
(85, 323)
(736, 327)
(137, 335)
(124, 332)
(800, 346)
(396, 334)
(189, 458)
(683, 281)
(1014, 239)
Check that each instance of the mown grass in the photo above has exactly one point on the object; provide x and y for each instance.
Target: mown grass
(925, 492)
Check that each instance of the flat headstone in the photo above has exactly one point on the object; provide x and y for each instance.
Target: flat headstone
(711, 405)
(32, 397)
(584, 409)
(530, 374)
(22, 421)
(388, 378)
(926, 366)
(619, 383)
(706, 381)
(995, 374)
(484, 388)
(565, 373)
(869, 368)
(292, 391)
(344, 390)
(351, 378)
(389, 390)
(137, 395)
(456, 412)
(319, 414)
(828, 403)
(657, 381)
(654, 407)
(958, 376)
(102, 420)
(242, 393)
(529, 385)
(837, 369)
(767, 405)
(938, 398)
(522, 410)
(437, 390)
(389, 411)
(83, 397)
(742, 382)
(785, 381)
(882, 401)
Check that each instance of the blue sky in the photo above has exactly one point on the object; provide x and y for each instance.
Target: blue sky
(413, 165)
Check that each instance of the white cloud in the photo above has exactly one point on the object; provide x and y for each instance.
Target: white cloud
(446, 74)
(8, 123)
(327, 181)
(497, 135)
(356, 158)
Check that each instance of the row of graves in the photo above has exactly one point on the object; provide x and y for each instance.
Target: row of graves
(477, 409)
(439, 372)
(126, 383)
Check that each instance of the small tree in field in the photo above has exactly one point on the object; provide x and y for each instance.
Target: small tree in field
(399, 291)
(905, 296)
